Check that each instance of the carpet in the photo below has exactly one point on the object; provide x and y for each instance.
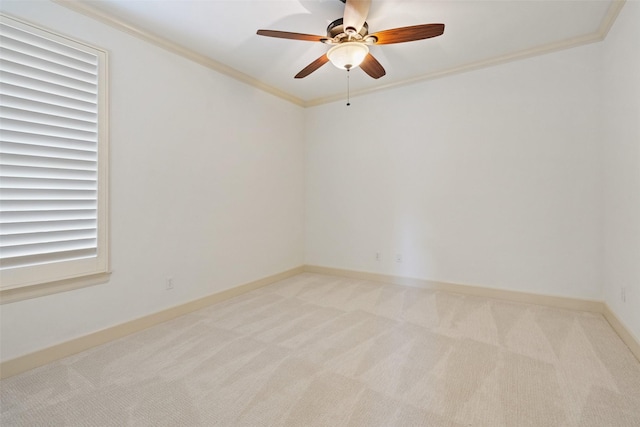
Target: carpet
(319, 350)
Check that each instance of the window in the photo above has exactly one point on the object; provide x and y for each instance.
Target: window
(53, 162)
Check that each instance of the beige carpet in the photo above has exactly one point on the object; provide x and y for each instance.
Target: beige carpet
(319, 350)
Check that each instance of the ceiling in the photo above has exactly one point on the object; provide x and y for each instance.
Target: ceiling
(478, 33)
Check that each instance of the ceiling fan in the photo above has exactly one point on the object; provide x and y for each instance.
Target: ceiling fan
(350, 40)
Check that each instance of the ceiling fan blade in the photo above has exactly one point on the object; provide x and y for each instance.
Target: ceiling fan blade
(371, 66)
(409, 34)
(355, 13)
(292, 36)
(313, 66)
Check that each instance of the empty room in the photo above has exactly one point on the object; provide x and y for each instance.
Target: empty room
(320, 213)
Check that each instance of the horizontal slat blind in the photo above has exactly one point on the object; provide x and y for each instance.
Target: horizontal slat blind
(48, 149)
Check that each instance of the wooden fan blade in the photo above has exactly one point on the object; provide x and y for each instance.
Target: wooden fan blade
(355, 13)
(371, 66)
(312, 67)
(291, 36)
(409, 34)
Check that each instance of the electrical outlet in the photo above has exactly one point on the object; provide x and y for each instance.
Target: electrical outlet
(398, 258)
(169, 284)
(378, 256)
(623, 293)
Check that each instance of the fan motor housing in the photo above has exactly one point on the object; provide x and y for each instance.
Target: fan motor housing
(336, 28)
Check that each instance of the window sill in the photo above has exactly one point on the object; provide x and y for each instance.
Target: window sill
(34, 291)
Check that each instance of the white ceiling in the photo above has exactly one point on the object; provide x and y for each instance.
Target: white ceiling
(477, 33)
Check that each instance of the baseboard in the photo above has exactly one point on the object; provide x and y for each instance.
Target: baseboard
(516, 296)
(625, 334)
(51, 354)
(548, 300)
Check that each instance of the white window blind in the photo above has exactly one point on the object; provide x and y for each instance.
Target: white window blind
(52, 159)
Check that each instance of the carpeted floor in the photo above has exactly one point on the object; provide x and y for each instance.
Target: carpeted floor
(317, 350)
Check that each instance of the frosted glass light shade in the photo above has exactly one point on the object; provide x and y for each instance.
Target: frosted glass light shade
(348, 55)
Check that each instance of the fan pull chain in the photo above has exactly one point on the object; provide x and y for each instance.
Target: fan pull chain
(348, 89)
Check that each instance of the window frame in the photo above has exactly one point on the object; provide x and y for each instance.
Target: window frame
(25, 282)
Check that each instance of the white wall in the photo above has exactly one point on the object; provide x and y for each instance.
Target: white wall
(621, 139)
(488, 178)
(206, 187)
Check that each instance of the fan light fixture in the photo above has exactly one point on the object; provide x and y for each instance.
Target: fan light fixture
(348, 55)
(350, 39)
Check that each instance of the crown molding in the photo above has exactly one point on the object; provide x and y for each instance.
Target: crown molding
(609, 19)
(85, 8)
(598, 36)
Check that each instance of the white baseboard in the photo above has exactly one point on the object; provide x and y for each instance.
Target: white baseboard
(516, 296)
(68, 348)
(548, 300)
(59, 351)
(625, 333)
